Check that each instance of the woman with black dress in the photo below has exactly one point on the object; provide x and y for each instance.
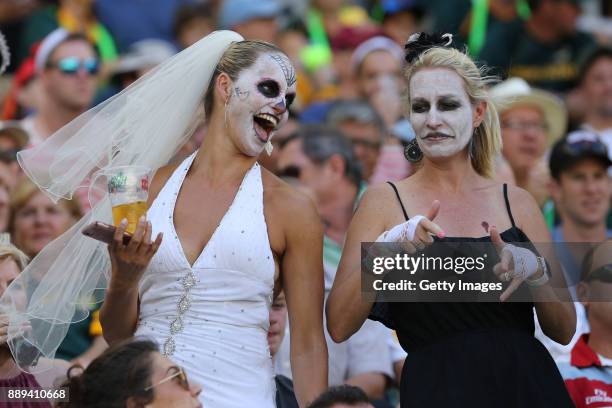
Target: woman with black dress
(459, 354)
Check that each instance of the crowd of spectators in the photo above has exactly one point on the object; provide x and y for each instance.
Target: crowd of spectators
(346, 131)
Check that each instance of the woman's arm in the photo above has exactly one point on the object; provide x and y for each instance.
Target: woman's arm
(346, 310)
(98, 345)
(557, 318)
(119, 312)
(302, 269)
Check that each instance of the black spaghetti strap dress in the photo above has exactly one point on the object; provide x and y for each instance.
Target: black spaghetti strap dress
(473, 354)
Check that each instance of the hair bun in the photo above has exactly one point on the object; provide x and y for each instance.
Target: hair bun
(418, 43)
(76, 388)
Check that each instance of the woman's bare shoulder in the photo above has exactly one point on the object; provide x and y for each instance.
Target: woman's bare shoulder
(159, 180)
(525, 210)
(521, 200)
(285, 198)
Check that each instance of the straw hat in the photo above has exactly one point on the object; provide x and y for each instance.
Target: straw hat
(516, 92)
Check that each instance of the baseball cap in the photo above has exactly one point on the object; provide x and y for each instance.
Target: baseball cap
(235, 12)
(576, 146)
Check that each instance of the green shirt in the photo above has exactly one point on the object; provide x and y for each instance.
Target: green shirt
(551, 66)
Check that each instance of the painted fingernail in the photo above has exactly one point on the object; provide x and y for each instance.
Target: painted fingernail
(141, 219)
(124, 222)
(441, 234)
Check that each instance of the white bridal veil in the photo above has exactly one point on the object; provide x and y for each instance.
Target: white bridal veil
(143, 125)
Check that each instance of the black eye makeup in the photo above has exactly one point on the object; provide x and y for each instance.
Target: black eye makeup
(443, 104)
(448, 104)
(269, 88)
(420, 106)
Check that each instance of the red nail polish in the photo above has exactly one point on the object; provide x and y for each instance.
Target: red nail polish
(441, 234)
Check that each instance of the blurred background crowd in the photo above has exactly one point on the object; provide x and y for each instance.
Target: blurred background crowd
(346, 129)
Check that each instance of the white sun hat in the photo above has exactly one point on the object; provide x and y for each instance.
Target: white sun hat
(515, 92)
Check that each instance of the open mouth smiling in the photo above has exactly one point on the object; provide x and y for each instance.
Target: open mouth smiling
(265, 124)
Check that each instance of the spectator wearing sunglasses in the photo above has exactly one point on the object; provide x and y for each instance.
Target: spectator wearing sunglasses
(365, 129)
(322, 160)
(68, 72)
(131, 374)
(587, 371)
(581, 191)
(67, 66)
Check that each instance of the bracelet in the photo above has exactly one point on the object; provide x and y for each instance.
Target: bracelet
(542, 279)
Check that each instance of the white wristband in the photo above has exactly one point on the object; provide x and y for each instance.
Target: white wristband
(401, 232)
(525, 261)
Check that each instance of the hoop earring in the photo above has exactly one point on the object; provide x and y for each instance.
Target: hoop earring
(413, 152)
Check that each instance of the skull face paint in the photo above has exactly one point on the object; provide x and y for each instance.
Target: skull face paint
(260, 101)
(441, 112)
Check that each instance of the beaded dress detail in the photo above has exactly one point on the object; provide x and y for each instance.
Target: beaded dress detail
(212, 317)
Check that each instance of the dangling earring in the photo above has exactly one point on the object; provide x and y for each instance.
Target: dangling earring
(471, 146)
(413, 152)
(269, 147)
(225, 111)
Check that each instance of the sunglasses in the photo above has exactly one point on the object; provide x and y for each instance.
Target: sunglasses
(582, 147)
(8, 156)
(290, 171)
(179, 374)
(72, 65)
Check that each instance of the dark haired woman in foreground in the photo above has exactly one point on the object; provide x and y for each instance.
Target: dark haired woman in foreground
(131, 374)
(459, 354)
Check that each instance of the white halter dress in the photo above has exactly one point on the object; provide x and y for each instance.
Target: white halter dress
(212, 318)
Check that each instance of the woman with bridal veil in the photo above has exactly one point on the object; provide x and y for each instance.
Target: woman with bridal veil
(233, 234)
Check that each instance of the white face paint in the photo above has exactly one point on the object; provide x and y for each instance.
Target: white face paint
(441, 112)
(259, 102)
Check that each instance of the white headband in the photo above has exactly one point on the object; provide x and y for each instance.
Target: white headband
(47, 46)
(376, 44)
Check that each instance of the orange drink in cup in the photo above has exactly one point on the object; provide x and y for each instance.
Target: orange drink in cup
(128, 187)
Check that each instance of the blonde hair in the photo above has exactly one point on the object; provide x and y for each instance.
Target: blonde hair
(486, 142)
(24, 191)
(8, 250)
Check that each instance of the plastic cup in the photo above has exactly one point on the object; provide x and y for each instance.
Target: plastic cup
(128, 188)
